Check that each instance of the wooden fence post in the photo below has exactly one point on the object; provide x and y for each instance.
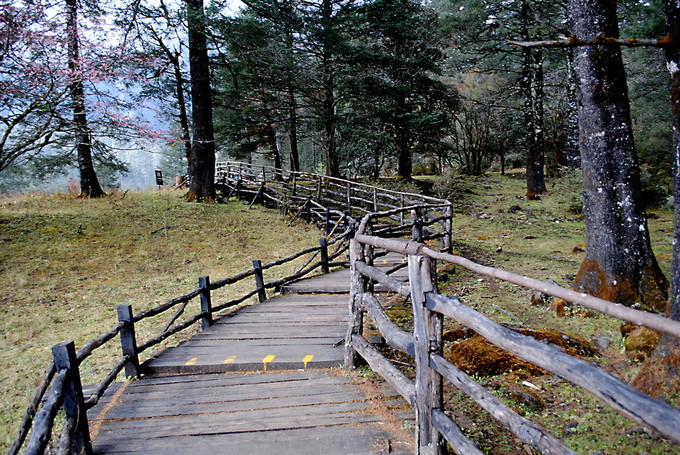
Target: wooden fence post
(328, 220)
(78, 441)
(427, 333)
(206, 304)
(259, 281)
(349, 199)
(417, 230)
(448, 230)
(323, 243)
(128, 341)
(356, 291)
(318, 189)
(308, 209)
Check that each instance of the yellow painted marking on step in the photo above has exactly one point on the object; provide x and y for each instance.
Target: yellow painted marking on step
(230, 359)
(192, 361)
(266, 360)
(307, 359)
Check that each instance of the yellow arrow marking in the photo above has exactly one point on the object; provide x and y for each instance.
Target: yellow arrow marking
(192, 361)
(230, 359)
(266, 360)
(307, 359)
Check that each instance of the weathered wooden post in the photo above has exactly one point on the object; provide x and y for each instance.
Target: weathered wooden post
(417, 229)
(259, 281)
(427, 333)
(356, 291)
(323, 243)
(308, 209)
(328, 220)
(318, 189)
(206, 304)
(448, 229)
(128, 341)
(349, 198)
(375, 200)
(294, 183)
(78, 439)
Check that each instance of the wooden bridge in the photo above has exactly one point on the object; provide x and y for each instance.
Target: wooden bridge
(261, 379)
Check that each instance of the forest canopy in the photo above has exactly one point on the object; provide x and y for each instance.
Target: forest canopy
(342, 87)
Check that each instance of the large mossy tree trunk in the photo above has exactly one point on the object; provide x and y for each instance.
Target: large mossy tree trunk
(660, 374)
(619, 264)
(89, 183)
(202, 161)
(531, 86)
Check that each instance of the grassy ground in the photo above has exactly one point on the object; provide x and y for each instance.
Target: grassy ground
(496, 226)
(66, 263)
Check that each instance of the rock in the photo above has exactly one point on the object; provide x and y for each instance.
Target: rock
(570, 428)
(528, 400)
(499, 249)
(537, 298)
(515, 209)
(601, 342)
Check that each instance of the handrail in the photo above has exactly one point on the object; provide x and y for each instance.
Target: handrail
(125, 329)
(425, 346)
(323, 198)
(411, 216)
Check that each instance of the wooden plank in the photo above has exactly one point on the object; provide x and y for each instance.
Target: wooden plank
(359, 440)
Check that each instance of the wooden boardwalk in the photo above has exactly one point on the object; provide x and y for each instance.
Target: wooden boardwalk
(259, 381)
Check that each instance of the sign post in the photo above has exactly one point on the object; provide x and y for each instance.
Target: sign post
(159, 179)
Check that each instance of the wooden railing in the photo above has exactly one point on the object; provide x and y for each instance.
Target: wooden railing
(61, 387)
(424, 344)
(332, 202)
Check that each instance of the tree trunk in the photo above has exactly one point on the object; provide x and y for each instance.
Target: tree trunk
(182, 106)
(404, 158)
(571, 152)
(202, 162)
(660, 374)
(332, 165)
(619, 264)
(274, 146)
(531, 85)
(292, 117)
(89, 184)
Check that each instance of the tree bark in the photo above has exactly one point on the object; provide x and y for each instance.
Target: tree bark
(619, 264)
(531, 85)
(89, 183)
(202, 162)
(660, 374)
(328, 69)
(181, 105)
(404, 158)
(571, 152)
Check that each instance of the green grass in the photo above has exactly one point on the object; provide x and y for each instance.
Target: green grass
(539, 241)
(66, 263)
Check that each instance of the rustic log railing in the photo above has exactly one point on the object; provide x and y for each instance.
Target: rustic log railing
(424, 393)
(331, 202)
(61, 387)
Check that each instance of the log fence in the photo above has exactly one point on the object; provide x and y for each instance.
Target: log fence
(61, 387)
(331, 202)
(424, 344)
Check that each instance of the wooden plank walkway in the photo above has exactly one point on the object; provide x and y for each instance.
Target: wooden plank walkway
(252, 384)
